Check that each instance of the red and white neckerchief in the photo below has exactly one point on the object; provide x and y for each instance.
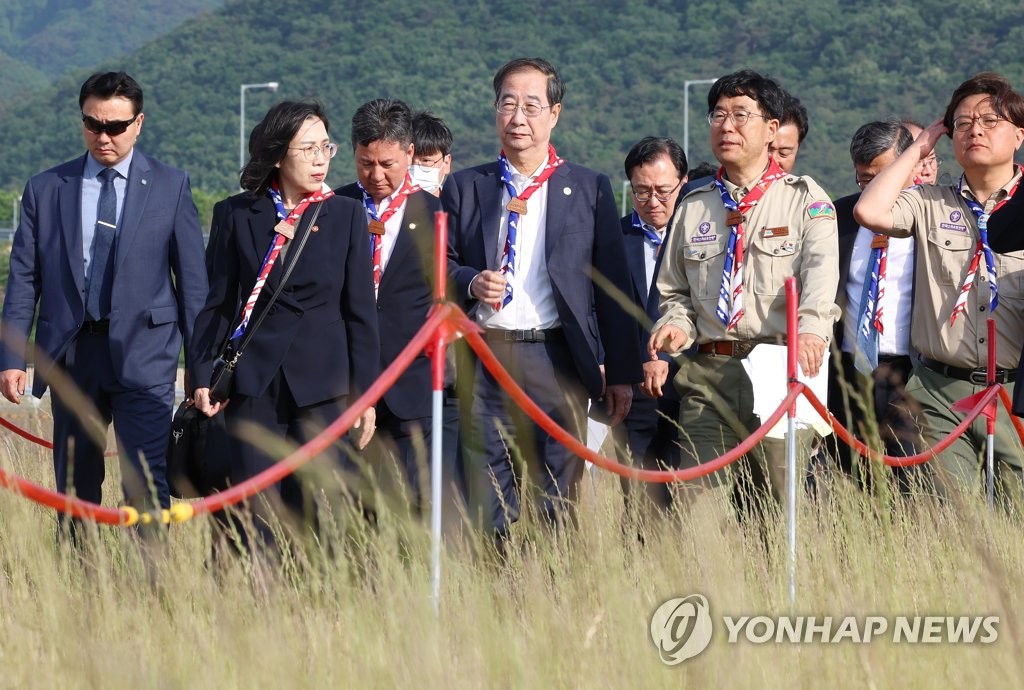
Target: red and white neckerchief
(517, 207)
(982, 250)
(377, 222)
(285, 229)
(730, 311)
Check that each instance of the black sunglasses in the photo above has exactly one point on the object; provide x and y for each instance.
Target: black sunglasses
(110, 128)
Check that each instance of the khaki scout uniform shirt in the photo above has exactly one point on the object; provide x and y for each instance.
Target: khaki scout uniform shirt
(790, 232)
(947, 236)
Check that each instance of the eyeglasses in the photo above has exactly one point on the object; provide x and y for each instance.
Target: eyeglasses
(109, 128)
(863, 182)
(430, 162)
(932, 161)
(311, 152)
(529, 109)
(646, 195)
(987, 121)
(716, 118)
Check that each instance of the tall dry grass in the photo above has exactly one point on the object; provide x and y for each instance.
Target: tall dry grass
(566, 610)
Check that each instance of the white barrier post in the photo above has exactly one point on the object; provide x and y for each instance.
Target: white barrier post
(791, 466)
(437, 424)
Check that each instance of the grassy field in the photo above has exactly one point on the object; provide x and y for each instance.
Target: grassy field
(571, 610)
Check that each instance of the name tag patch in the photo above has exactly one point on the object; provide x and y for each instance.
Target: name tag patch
(775, 232)
(953, 227)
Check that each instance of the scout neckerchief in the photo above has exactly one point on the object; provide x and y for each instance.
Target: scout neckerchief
(983, 249)
(517, 207)
(870, 323)
(655, 239)
(285, 229)
(732, 274)
(377, 222)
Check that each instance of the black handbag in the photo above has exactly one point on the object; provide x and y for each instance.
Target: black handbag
(197, 450)
(223, 379)
(197, 453)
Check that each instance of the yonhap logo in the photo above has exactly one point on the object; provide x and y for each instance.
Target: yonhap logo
(681, 628)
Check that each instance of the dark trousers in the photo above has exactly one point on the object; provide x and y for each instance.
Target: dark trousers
(886, 415)
(651, 435)
(273, 416)
(502, 434)
(400, 455)
(142, 423)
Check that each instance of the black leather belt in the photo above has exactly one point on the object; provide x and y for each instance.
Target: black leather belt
(96, 327)
(531, 335)
(976, 376)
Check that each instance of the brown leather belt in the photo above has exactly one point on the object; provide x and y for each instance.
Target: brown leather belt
(728, 348)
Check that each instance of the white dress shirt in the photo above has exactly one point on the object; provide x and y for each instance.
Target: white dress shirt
(896, 302)
(533, 302)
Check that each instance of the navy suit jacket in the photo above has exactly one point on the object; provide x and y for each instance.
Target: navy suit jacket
(322, 331)
(404, 299)
(158, 238)
(582, 236)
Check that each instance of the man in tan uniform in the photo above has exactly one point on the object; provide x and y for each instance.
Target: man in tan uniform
(959, 283)
(734, 242)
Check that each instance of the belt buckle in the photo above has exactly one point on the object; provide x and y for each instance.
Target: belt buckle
(979, 378)
(742, 348)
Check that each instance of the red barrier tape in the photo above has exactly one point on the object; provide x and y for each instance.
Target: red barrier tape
(38, 440)
(892, 461)
(449, 318)
(517, 394)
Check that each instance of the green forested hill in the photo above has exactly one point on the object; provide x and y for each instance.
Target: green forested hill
(42, 39)
(624, 63)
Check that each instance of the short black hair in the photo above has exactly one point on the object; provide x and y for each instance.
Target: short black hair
(268, 143)
(875, 138)
(651, 148)
(105, 85)
(556, 89)
(430, 134)
(765, 90)
(705, 169)
(382, 119)
(794, 113)
(1005, 102)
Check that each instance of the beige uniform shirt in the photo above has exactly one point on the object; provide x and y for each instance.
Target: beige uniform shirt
(947, 236)
(790, 232)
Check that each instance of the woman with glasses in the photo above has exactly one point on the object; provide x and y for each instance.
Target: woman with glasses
(959, 283)
(317, 348)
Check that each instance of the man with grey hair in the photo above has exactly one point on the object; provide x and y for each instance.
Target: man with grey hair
(875, 291)
(401, 221)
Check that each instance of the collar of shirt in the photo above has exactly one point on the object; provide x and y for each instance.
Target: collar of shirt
(519, 180)
(93, 167)
(996, 197)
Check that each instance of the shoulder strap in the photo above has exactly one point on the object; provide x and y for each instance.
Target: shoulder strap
(293, 258)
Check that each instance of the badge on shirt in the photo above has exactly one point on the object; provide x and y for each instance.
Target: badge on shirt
(954, 223)
(821, 209)
(768, 233)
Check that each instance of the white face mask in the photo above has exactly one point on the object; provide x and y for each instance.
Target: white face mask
(428, 179)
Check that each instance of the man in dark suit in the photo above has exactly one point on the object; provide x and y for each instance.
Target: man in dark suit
(656, 168)
(529, 237)
(887, 408)
(110, 249)
(401, 221)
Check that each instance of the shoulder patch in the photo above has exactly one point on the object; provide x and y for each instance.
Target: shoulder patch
(821, 209)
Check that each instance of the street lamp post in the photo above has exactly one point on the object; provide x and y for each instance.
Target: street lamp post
(270, 86)
(686, 111)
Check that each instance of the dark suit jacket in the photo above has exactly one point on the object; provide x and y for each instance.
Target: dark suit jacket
(159, 279)
(404, 299)
(582, 232)
(848, 228)
(1006, 234)
(322, 332)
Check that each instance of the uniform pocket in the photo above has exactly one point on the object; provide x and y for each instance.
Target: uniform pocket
(704, 266)
(773, 260)
(950, 255)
